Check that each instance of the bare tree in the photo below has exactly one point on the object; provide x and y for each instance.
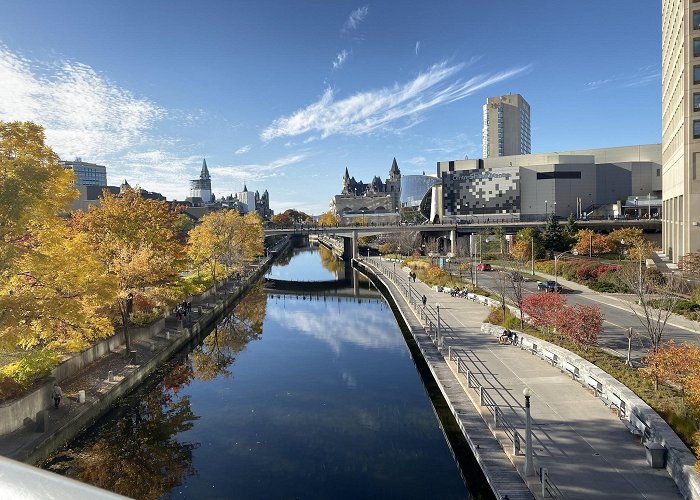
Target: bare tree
(655, 294)
(516, 290)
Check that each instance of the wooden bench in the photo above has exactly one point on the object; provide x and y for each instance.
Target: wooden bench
(638, 427)
(594, 384)
(550, 356)
(571, 369)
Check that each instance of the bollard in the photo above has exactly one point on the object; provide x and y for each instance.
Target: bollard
(110, 376)
(42, 421)
(81, 396)
(495, 416)
(167, 335)
(449, 352)
(153, 347)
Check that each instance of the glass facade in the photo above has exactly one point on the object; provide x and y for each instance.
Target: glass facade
(87, 174)
(414, 187)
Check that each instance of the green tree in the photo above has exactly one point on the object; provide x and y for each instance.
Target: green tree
(553, 237)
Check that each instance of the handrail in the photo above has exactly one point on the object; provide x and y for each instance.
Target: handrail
(548, 486)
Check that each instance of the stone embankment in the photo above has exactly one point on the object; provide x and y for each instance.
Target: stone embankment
(92, 380)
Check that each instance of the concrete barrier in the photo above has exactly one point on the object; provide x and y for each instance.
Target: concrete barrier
(680, 461)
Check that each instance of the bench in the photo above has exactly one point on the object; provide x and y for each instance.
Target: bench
(594, 384)
(528, 345)
(617, 404)
(638, 427)
(571, 369)
(549, 356)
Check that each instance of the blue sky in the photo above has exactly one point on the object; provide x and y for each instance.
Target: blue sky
(284, 95)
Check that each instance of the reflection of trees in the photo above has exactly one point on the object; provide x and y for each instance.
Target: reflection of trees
(219, 350)
(329, 260)
(139, 455)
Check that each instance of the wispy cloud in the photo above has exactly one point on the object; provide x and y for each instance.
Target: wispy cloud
(640, 77)
(257, 171)
(355, 18)
(243, 149)
(417, 46)
(366, 112)
(340, 59)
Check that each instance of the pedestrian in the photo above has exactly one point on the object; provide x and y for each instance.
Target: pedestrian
(189, 306)
(425, 300)
(56, 393)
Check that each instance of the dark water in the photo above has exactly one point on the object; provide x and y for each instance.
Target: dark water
(290, 397)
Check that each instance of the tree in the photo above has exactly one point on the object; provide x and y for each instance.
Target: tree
(291, 216)
(591, 243)
(631, 240)
(525, 241)
(329, 218)
(580, 323)
(570, 229)
(553, 238)
(675, 364)
(542, 308)
(52, 291)
(135, 241)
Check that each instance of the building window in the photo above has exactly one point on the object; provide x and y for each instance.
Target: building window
(696, 20)
(558, 175)
(696, 47)
(696, 129)
(658, 172)
(696, 102)
(696, 74)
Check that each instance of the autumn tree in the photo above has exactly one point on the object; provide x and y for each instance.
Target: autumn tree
(631, 241)
(290, 217)
(329, 218)
(591, 243)
(527, 240)
(52, 290)
(677, 365)
(542, 308)
(579, 323)
(135, 241)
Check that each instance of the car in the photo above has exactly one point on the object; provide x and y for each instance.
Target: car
(484, 267)
(549, 286)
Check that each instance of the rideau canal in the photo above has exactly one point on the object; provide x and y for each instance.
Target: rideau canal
(292, 395)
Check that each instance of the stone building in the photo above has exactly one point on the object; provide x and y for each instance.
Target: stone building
(378, 201)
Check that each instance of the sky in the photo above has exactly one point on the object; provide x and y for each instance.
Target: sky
(284, 95)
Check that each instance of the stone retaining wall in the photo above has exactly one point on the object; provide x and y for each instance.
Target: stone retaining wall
(680, 461)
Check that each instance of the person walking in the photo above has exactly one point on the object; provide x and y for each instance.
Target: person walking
(56, 394)
(425, 300)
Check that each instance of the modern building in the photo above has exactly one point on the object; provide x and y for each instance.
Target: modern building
(414, 187)
(246, 199)
(379, 201)
(680, 126)
(200, 189)
(506, 126)
(87, 174)
(530, 187)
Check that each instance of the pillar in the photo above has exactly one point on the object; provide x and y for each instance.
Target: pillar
(453, 242)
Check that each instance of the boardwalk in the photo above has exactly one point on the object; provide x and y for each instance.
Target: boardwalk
(587, 450)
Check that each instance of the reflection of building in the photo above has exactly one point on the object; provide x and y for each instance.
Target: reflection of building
(87, 174)
(506, 126)
(680, 126)
(529, 187)
(378, 201)
(414, 187)
(200, 189)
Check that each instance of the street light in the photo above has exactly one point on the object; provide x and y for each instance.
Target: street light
(636, 206)
(529, 466)
(556, 259)
(437, 305)
(554, 210)
(546, 210)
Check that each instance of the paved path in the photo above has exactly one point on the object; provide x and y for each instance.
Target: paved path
(588, 451)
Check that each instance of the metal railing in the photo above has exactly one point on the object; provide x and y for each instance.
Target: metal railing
(549, 489)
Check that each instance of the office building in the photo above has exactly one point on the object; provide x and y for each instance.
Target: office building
(680, 126)
(87, 174)
(506, 126)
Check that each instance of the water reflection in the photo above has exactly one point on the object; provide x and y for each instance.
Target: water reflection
(304, 266)
(363, 322)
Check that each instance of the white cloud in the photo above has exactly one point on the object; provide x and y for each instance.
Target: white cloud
(640, 77)
(84, 114)
(368, 111)
(256, 171)
(355, 18)
(340, 59)
(243, 149)
(417, 46)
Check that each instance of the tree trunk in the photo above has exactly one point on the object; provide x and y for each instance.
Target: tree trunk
(125, 325)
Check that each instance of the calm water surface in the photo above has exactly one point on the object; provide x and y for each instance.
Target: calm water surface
(290, 397)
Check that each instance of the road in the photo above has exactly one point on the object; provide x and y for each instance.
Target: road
(617, 314)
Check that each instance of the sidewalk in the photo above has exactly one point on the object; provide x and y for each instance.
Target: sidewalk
(588, 451)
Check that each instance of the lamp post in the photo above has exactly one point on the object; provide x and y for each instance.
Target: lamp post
(529, 466)
(630, 333)
(532, 256)
(439, 340)
(546, 210)
(649, 206)
(554, 210)
(556, 259)
(636, 206)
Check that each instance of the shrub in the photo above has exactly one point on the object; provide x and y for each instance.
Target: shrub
(585, 273)
(608, 268)
(607, 287)
(9, 389)
(30, 368)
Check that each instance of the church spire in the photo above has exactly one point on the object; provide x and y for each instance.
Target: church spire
(205, 171)
(394, 168)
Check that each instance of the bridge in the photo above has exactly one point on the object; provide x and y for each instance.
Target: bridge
(450, 232)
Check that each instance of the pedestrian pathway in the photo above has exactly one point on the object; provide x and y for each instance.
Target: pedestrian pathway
(587, 450)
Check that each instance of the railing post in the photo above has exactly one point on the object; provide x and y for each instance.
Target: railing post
(449, 352)
(495, 416)
(481, 395)
(543, 477)
(516, 443)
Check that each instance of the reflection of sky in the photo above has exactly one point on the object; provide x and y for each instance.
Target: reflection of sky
(348, 322)
(304, 266)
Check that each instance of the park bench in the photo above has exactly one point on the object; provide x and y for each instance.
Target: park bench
(638, 427)
(528, 345)
(594, 384)
(617, 405)
(549, 356)
(571, 369)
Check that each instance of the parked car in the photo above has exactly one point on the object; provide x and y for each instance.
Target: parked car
(548, 286)
(484, 267)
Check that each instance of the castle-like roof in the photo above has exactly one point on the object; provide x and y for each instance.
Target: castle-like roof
(205, 171)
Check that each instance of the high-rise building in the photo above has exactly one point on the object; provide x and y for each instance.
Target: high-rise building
(506, 126)
(87, 174)
(680, 126)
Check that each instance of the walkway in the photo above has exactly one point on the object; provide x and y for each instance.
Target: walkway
(587, 450)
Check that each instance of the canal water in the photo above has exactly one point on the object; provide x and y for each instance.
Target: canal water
(291, 396)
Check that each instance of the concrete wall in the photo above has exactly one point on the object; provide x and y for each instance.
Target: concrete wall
(680, 462)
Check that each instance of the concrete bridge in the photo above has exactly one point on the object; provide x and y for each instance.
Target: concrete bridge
(450, 232)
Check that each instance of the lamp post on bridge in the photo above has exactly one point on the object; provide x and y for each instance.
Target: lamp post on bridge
(438, 338)
(529, 466)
